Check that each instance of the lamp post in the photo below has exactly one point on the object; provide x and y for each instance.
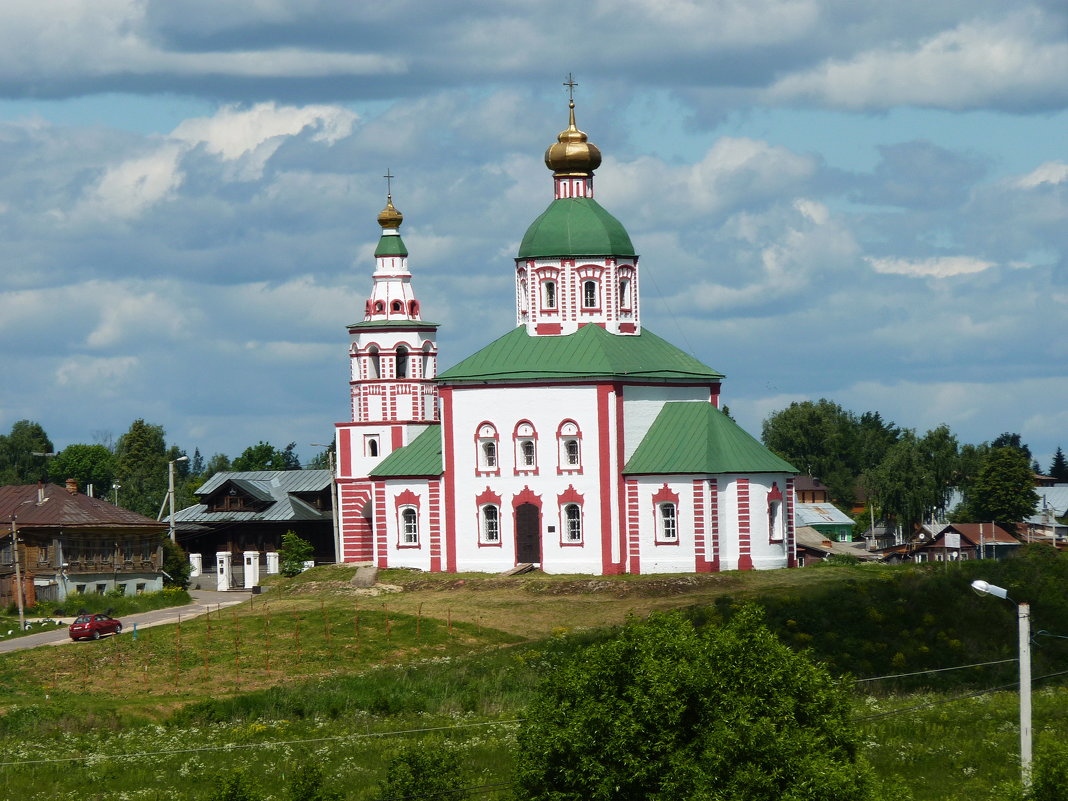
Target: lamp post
(170, 488)
(333, 500)
(116, 488)
(18, 573)
(1023, 614)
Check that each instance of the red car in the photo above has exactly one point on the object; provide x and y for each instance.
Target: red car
(92, 626)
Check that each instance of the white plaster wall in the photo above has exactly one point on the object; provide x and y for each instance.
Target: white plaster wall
(678, 558)
(407, 557)
(641, 405)
(545, 408)
(765, 555)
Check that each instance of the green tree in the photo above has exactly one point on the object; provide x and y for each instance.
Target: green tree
(18, 464)
(235, 787)
(293, 553)
(308, 784)
(941, 455)
(264, 456)
(141, 468)
(666, 712)
(1004, 490)
(175, 565)
(1058, 468)
(902, 484)
(88, 464)
(219, 463)
(1011, 440)
(425, 770)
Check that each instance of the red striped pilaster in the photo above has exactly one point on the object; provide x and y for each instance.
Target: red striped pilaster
(381, 539)
(713, 525)
(633, 527)
(434, 508)
(621, 493)
(449, 477)
(745, 556)
(701, 563)
(791, 547)
(357, 543)
(606, 476)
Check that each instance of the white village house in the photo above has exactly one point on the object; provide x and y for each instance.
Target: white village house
(579, 441)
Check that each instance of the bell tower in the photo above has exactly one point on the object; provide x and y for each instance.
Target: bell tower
(392, 395)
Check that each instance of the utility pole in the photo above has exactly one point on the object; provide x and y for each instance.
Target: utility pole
(18, 573)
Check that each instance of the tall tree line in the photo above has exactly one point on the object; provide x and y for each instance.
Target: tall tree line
(907, 478)
(132, 471)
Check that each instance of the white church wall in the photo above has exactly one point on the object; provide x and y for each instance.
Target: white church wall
(657, 551)
(641, 405)
(545, 408)
(763, 553)
(397, 544)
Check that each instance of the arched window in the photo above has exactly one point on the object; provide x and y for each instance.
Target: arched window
(491, 524)
(397, 306)
(569, 446)
(668, 528)
(402, 361)
(589, 295)
(776, 527)
(523, 293)
(548, 289)
(370, 442)
(374, 363)
(573, 522)
(413, 308)
(571, 452)
(409, 526)
(526, 447)
(427, 372)
(379, 306)
(487, 456)
(624, 293)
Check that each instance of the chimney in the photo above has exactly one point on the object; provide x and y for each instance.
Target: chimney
(72, 486)
(40, 492)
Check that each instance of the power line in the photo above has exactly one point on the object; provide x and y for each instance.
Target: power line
(264, 744)
(935, 670)
(977, 693)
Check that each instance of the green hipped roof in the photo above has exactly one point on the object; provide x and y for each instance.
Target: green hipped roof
(576, 226)
(420, 457)
(691, 437)
(589, 353)
(391, 246)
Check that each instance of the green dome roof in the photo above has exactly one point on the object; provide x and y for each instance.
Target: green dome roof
(390, 245)
(576, 226)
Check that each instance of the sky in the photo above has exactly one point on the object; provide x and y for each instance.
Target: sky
(847, 199)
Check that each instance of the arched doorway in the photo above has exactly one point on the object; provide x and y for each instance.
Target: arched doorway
(527, 534)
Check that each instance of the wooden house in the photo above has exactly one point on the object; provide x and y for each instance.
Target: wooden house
(70, 543)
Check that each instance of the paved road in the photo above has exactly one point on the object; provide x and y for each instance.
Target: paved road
(203, 601)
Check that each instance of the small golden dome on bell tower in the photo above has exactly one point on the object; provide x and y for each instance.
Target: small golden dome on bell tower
(389, 217)
(572, 154)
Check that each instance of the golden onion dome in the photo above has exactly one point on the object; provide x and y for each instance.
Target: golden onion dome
(572, 154)
(389, 217)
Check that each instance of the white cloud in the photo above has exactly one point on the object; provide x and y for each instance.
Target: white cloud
(1051, 172)
(938, 267)
(256, 133)
(127, 189)
(103, 375)
(986, 61)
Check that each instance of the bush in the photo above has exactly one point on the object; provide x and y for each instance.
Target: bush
(295, 551)
(426, 770)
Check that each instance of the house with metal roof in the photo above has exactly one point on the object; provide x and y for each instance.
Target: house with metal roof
(69, 542)
(249, 511)
(579, 441)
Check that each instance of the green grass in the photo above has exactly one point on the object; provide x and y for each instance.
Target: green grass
(451, 660)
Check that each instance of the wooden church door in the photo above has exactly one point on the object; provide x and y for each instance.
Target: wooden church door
(527, 534)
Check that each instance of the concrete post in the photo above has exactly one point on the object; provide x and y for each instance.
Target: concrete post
(223, 570)
(272, 563)
(196, 562)
(252, 569)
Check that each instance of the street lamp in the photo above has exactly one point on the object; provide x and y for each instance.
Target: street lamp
(333, 500)
(116, 488)
(170, 488)
(1023, 613)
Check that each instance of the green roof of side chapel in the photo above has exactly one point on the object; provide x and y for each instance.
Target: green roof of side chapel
(576, 226)
(691, 437)
(420, 457)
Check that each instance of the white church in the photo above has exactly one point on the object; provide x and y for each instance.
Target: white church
(578, 442)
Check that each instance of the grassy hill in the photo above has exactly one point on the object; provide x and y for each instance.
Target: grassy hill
(315, 669)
